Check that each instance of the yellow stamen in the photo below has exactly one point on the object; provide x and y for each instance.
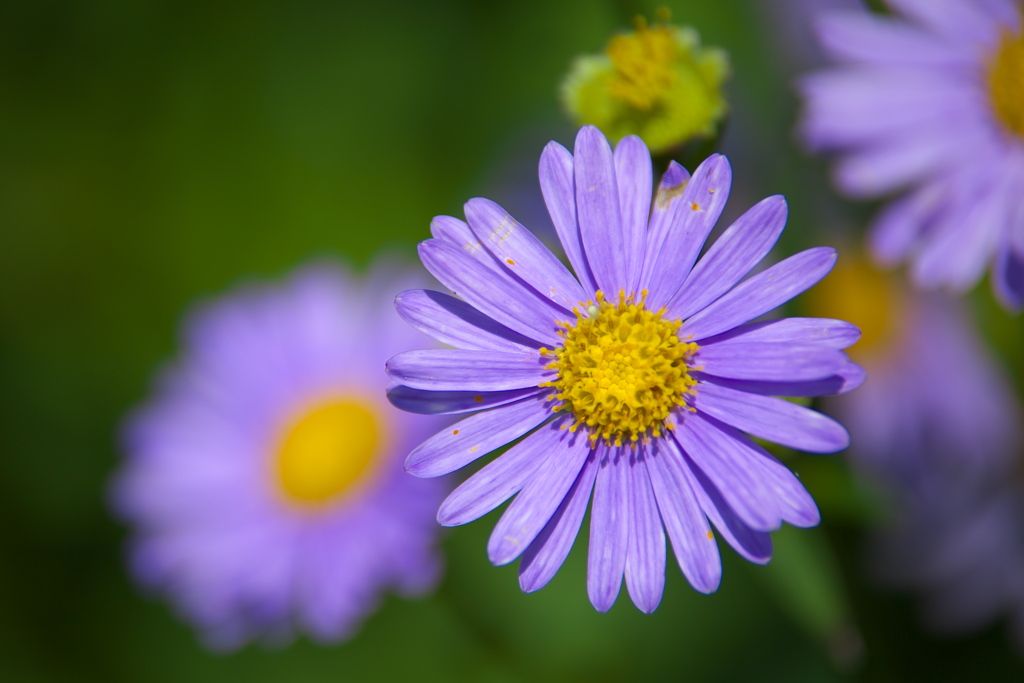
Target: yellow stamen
(656, 82)
(1006, 81)
(621, 370)
(329, 450)
(643, 63)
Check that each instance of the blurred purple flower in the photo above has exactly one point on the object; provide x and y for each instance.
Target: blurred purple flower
(937, 430)
(263, 478)
(633, 381)
(932, 104)
(935, 392)
(962, 548)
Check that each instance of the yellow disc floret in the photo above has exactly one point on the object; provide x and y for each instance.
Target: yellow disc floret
(621, 370)
(655, 81)
(1006, 81)
(328, 450)
(643, 63)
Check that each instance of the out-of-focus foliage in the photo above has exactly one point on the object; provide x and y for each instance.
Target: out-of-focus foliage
(155, 153)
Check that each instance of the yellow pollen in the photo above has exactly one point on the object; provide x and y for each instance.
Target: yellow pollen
(1006, 81)
(644, 64)
(621, 370)
(656, 81)
(329, 450)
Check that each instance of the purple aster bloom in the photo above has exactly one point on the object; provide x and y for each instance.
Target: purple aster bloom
(942, 455)
(930, 103)
(263, 477)
(635, 381)
(903, 421)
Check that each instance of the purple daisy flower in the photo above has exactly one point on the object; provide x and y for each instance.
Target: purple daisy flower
(263, 478)
(933, 104)
(903, 422)
(636, 381)
(956, 512)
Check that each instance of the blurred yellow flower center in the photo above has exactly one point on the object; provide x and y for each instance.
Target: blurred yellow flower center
(643, 63)
(1006, 81)
(328, 450)
(859, 293)
(656, 82)
(621, 370)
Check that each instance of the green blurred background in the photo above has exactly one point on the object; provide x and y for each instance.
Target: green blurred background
(153, 154)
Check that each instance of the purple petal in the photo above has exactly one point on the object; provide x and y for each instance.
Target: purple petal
(458, 445)
(666, 212)
(548, 551)
(896, 228)
(760, 489)
(492, 293)
(454, 322)
(836, 334)
(597, 206)
(1013, 178)
(457, 233)
(1008, 279)
(645, 556)
(727, 464)
(609, 528)
(773, 419)
(955, 19)
(853, 107)
(763, 292)
(851, 377)
(501, 478)
(765, 362)
(521, 253)
(458, 370)
(688, 530)
(558, 185)
(634, 179)
(861, 37)
(794, 502)
(755, 546)
(539, 499)
(961, 245)
(905, 157)
(452, 402)
(847, 379)
(1003, 13)
(740, 248)
(684, 213)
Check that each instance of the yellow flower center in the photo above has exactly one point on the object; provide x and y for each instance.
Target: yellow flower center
(644, 64)
(861, 294)
(328, 451)
(621, 370)
(656, 82)
(1006, 81)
